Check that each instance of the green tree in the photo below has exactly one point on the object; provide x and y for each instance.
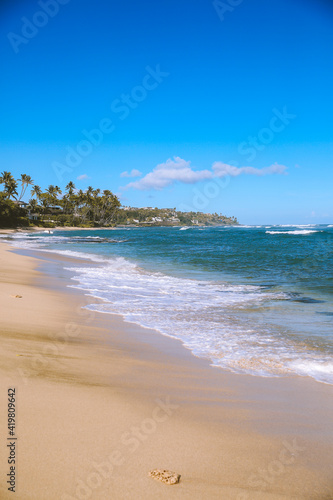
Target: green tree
(70, 188)
(68, 200)
(36, 191)
(10, 185)
(33, 205)
(25, 182)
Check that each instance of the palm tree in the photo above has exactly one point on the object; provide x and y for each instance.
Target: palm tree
(81, 196)
(68, 200)
(109, 203)
(89, 192)
(10, 183)
(57, 190)
(36, 191)
(25, 182)
(80, 202)
(70, 188)
(33, 205)
(50, 190)
(45, 202)
(11, 189)
(6, 177)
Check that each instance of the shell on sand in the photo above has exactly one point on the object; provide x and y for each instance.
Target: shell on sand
(16, 296)
(166, 476)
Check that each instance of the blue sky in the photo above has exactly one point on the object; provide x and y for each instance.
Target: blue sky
(206, 107)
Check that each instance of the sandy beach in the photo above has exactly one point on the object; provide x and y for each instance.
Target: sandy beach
(100, 403)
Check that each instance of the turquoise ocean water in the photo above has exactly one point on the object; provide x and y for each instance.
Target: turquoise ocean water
(255, 300)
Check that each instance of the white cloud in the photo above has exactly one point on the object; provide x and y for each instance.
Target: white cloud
(132, 173)
(222, 170)
(166, 174)
(179, 170)
(82, 177)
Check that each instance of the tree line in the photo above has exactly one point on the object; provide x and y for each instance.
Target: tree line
(89, 208)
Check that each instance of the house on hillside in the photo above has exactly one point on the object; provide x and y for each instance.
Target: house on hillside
(21, 204)
(33, 216)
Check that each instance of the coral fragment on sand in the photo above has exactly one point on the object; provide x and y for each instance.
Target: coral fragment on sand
(166, 476)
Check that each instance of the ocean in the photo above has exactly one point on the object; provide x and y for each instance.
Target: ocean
(250, 299)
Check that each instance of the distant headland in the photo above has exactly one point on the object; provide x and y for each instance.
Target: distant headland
(86, 209)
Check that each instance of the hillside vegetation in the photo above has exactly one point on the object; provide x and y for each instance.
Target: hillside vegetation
(90, 208)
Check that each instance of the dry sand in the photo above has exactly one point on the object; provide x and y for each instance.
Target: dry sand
(100, 403)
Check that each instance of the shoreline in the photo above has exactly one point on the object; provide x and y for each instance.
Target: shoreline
(219, 430)
(108, 228)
